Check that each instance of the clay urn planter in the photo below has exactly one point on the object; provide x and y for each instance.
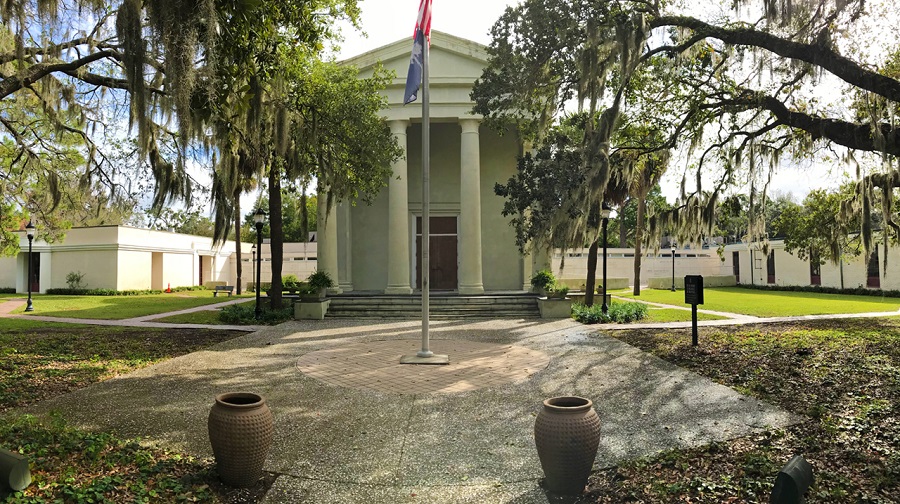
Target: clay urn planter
(240, 431)
(567, 434)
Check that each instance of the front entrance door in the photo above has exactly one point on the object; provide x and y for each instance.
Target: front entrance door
(736, 266)
(442, 253)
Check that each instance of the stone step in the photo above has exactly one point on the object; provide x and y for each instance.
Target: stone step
(441, 306)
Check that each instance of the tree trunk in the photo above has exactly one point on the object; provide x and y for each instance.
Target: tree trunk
(237, 238)
(591, 274)
(638, 232)
(304, 217)
(623, 233)
(276, 236)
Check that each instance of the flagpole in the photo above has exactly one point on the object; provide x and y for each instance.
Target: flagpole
(423, 37)
(426, 205)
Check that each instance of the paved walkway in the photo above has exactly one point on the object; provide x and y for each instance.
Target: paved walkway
(354, 425)
(468, 441)
(10, 304)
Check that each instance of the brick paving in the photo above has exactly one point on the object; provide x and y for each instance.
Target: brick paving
(376, 366)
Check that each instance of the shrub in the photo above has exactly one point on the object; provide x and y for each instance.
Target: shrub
(245, 314)
(101, 292)
(73, 279)
(853, 291)
(319, 279)
(543, 279)
(290, 282)
(621, 313)
(7, 290)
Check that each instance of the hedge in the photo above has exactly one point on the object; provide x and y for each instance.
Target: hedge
(856, 291)
(113, 292)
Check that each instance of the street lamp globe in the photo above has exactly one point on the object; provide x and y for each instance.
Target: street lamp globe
(29, 230)
(259, 217)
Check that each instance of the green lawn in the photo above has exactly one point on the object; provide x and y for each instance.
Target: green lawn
(674, 315)
(118, 307)
(772, 303)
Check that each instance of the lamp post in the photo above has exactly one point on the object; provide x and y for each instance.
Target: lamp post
(253, 262)
(258, 219)
(604, 214)
(673, 267)
(29, 232)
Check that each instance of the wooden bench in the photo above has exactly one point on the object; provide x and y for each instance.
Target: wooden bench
(223, 288)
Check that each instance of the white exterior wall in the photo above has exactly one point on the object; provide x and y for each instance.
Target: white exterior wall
(620, 264)
(122, 258)
(8, 271)
(790, 270)
(135, 270)
(99, 268)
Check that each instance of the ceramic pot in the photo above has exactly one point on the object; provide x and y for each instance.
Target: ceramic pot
(240, 431)
(567, 434)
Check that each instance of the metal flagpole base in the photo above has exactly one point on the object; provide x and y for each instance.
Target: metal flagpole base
(417, 359)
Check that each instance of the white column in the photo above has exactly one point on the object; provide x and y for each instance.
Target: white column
(527, 257)
(470, 209)
(398, 218)
(326, 230)
(345, 250)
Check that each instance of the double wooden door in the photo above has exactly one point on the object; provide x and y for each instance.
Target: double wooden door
(443, 254)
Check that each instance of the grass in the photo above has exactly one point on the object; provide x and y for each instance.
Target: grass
(655, 314)
(772, 304)
(40, 360)
(841, 377)
(117, 307)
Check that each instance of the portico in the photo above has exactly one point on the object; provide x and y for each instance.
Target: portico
(472, 247)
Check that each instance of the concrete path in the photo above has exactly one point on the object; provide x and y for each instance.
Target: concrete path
(145, 321)
(401, 443)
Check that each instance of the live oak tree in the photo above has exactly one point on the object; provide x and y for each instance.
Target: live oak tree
(209, 82)
(745, 90)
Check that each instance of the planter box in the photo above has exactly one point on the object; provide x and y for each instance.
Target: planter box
(311, 310)
(555, 308)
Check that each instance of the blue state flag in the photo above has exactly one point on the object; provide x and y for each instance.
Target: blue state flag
(414, 76)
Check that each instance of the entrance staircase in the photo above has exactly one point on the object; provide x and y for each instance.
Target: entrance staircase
(441, 306)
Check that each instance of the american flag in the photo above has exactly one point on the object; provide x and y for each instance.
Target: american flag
(421, 33)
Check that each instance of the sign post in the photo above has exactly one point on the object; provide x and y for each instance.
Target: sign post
(693, 295)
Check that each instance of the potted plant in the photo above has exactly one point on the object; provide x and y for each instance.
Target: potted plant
(542, 281)
(557, 291)
(319, 281)
(313, 305)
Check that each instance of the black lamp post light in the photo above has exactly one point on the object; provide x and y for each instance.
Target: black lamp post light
(604, 214)
(29, 232)
(673, 267)
(258, 219)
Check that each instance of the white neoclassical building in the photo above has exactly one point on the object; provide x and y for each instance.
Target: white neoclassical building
(377, 248)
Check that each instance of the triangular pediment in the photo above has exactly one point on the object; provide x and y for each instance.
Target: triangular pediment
(452, 59)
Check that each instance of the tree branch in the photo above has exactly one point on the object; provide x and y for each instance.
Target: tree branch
(34, 73)
(815, 54)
